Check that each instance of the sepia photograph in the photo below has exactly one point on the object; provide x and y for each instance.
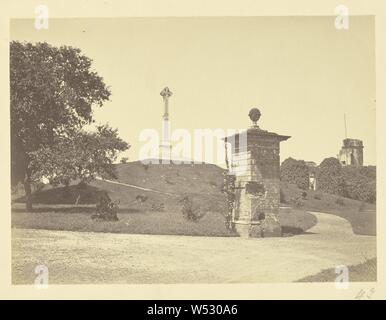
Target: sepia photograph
(170, 150)
(192, 150)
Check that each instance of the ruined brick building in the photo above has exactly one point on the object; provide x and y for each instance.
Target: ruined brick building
(351, 152)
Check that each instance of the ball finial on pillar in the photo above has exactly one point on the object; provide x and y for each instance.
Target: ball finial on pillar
(254, 114)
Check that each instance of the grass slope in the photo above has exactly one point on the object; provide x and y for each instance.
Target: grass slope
(362, 216)
(55, 207)
(363, 272)
(78, 218)
(202, 182)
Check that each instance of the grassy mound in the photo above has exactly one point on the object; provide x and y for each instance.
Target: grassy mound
(203, 184)
(80, 194)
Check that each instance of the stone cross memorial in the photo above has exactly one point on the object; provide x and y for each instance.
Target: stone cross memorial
(255, 164)
(165, 144)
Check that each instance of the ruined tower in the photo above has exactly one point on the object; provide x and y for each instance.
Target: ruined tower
(351, 152)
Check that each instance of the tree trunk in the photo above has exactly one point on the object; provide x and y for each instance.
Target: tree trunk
(28, 194)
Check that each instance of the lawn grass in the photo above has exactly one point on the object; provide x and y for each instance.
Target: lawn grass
(295, 221)
(78, 218)
(362, 216)
(201, 182)
(363, 272)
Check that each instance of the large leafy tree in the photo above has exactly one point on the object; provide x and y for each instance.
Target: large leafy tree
(53, 91)
(330, 177)
(83, 155)
(295, 172)
(360, 183)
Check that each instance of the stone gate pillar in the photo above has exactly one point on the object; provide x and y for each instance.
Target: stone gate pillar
(255, 163)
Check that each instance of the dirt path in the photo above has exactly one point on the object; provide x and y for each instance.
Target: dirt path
(137, 187)
(83, 257)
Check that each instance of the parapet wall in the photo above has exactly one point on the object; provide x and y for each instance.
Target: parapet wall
(352, 143)
(351, 152)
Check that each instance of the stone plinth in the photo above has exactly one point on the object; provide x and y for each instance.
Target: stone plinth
(255, 162)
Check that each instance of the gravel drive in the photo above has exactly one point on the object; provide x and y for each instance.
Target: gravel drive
(92, 258)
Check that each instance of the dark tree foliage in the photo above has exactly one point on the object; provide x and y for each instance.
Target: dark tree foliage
(228, 188)
(295, 172)
(106, 210)
(83, 155)
(330, 177)
(368, 171)
(52, 91)
(191, 211)
(360, 183)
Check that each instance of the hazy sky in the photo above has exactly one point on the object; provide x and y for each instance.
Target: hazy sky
(301, 72)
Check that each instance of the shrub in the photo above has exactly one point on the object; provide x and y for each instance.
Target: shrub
(368, 171)
(106, 210)
(360, 183)
(190, 211)
(318, 196)
(140, 198)
(330, 177)
(340, 201)
(304, 195)
(228, 188)
(124, 159)
(158, 207)
(297, 202)
(295, 172)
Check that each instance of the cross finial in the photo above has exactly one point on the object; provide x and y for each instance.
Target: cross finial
(166, 93)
